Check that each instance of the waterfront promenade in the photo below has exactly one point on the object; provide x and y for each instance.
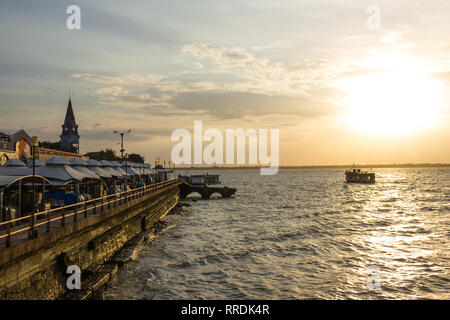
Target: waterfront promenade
(17, 231)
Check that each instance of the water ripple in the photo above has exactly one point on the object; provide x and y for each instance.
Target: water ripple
(303, 234)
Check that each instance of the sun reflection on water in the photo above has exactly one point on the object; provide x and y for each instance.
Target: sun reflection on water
(400, 244)
(304, 234)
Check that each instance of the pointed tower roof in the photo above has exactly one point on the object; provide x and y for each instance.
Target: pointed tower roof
(69, 121)
(69, 135)
(70, 127)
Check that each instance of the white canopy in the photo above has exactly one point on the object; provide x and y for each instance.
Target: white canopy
(15, 167)
(148, 169)
(57, 169)
(108, 167)
(135, 167)
(139, 168)
(94, 165)
(15, 163)
(81, 166)
(125, 166)
(37, 163)
(116, 166)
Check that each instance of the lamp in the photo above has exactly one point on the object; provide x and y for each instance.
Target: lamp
(35, 141)
(121, 140)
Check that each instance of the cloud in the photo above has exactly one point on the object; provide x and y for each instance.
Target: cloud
(144, 80)
(234, 105)
(254, 86)
(259, 75)
(116, 95)
(140, 80)
(114, 91)
(138, 134)
(445, 76)
(226, 57)
(392, 37)
(199, 66)
(265, 47)
(250, 74)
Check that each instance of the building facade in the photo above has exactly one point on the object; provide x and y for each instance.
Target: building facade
(15, 146)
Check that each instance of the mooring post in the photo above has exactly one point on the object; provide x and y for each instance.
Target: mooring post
(30, 224)
(63, 220)
(48, 215)
(8, 231)
(75, 216)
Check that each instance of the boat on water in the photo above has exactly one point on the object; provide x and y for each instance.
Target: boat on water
(357, 176)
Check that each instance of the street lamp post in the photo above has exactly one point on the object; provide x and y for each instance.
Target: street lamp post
(164, 171)
(121, 140)
(126, 177)
(170, 171)
(126, 169)
(34, 144)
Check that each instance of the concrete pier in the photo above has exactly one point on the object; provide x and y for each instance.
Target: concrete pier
(205, 191)
(37, 268)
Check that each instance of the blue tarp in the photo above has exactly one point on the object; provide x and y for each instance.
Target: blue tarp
(71, 198)
(68, 198)
(59, 195)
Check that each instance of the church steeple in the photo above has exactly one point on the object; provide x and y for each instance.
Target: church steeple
(69, 135)
(69, 122)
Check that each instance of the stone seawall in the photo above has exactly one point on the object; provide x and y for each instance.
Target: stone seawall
(36, 269)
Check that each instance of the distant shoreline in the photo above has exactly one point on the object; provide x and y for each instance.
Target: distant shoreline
(373, 166)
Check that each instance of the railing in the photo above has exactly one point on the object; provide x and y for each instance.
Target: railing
(92, 206)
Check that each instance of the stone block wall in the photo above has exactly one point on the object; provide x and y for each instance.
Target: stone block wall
(36, 269)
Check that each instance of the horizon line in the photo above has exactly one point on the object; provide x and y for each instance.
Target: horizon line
(389, 165)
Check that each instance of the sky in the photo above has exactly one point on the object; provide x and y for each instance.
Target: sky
(339, 88)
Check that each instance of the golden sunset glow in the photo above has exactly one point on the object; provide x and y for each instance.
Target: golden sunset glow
(392, 102)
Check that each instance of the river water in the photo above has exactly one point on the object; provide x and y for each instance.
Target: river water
(302, 234)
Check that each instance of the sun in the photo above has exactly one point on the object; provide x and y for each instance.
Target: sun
(391, 103)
